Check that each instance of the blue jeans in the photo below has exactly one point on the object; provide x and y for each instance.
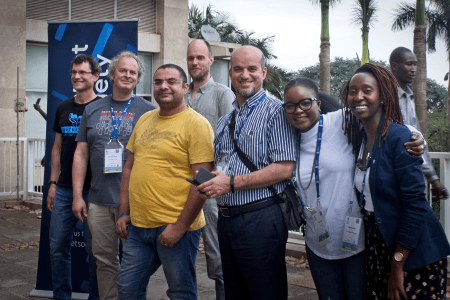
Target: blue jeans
(62, 226)
(253, 248)
(212, 250)
(339, 279)
(142, 256)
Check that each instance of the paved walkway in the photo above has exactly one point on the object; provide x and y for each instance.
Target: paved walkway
(19, 242)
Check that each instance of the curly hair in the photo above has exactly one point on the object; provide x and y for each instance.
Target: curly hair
(387, 85)
(113, 64)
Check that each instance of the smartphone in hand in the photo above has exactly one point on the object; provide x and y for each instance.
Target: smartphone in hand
(202, 176)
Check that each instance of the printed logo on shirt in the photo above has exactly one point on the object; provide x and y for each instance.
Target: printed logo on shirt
(72, 130)
(104, 126)
(151, 136)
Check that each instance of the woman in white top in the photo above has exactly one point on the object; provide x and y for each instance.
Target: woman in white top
(337, 262)
(338, 272)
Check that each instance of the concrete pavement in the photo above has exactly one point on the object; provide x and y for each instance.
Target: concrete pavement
(19, 236)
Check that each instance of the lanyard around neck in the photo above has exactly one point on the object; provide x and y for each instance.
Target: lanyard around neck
(315, 165)
(366, 166)
(243, 122)
(116, 125)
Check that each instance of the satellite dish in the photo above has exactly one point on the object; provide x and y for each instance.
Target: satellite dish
(210, 33)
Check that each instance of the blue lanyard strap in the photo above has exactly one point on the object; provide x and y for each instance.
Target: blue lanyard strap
(116, 125)
(316, 161)
(261, 98)
(248, 115)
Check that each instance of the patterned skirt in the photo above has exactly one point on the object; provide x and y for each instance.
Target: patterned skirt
(428, 282)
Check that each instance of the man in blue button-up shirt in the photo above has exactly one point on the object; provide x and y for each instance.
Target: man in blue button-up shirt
(252, 233)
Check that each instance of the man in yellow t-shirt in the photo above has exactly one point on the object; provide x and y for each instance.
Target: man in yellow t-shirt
(160, 212)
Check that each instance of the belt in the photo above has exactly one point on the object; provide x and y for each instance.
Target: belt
(232, 211)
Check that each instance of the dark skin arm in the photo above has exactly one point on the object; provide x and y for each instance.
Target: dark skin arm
(415, 147)
(396, 288)
(39, 109)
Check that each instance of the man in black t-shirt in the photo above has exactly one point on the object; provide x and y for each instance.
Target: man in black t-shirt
(85, 71)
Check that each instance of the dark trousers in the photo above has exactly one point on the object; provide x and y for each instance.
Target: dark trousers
(253, 247)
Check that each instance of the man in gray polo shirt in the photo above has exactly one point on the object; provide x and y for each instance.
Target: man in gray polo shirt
(211, 100)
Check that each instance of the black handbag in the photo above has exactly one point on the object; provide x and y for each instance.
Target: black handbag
(288, 200)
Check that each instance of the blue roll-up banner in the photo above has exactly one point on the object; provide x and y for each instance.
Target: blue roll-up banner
(103, 39)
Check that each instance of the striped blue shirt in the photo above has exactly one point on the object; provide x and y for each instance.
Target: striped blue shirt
(265, 137)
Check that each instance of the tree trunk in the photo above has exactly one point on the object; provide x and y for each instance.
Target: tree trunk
(365, 47)
(325, 69)
(448, 90)
(420, 81)
(324, 56)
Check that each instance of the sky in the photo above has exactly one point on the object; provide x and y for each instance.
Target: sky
(296, 25)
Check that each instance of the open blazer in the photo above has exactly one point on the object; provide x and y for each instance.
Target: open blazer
(402, 212)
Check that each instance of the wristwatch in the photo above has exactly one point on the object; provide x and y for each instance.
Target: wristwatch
(51, 182)
(232, 183)
(398, 256)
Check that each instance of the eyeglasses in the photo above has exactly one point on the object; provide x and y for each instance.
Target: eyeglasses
(170, 81)
(304, 104)
(81, 73)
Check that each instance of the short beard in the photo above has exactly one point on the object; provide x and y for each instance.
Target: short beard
(201, 76)
(247, 94)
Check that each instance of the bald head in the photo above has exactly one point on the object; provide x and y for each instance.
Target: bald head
(201, 44)
(199, 61)
(250, 50)
(247, 72)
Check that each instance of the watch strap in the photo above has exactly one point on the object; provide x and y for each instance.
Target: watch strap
(232, 183)
(51, 182)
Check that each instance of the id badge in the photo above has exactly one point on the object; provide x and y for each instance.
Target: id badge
(113, 162)
(352, 230)
(320, 226)
(222, 164)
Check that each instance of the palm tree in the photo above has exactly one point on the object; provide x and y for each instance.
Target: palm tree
(364, 15)
(221, 21)
(324, 56)
(437, 20)
(229, 32)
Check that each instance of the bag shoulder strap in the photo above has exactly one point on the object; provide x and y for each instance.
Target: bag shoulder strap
(242, 156)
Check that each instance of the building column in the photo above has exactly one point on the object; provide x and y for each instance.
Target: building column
(172, 26)
(12, 55)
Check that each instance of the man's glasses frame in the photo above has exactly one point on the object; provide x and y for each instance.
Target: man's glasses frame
(81, 73)
(170, 81)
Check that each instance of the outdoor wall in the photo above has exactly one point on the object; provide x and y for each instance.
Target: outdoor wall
(12, 55)
(172, 26)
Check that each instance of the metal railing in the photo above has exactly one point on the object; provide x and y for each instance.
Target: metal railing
(444, 164)
(31, 173)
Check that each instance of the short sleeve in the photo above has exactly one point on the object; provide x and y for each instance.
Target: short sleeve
(82, 134)
(226, 101)
(281, 137)
(130, 145)
(56, 127)
(201, 139)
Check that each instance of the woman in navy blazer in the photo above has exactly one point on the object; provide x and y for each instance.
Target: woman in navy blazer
(405, 243)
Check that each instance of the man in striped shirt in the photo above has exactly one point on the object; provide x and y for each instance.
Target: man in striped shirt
(212, 100)
(252, 233)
